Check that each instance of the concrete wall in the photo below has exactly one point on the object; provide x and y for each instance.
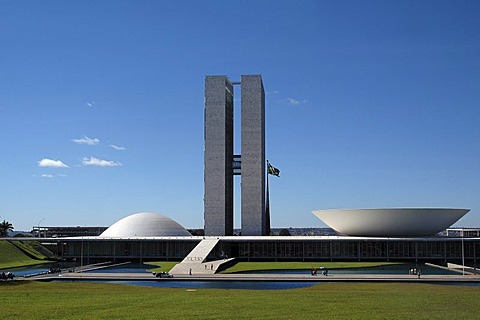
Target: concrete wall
(218, 156)
(253, 156)
(428, 249)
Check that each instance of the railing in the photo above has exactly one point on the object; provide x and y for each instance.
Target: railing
(194, 259)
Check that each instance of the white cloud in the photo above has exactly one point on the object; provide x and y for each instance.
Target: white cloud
(87, 140)
(49, 163)
(51, 176)
(99, 162)
(90, 103)
(117, 147)
(295, 101)
(272, 92)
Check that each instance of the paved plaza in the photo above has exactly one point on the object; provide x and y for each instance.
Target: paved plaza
(307, 277)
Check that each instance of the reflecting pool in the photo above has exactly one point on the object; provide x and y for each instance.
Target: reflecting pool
(388, 269)
(126, 268)
(246, 285)
(22, 271)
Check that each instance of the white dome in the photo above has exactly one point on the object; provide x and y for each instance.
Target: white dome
(390, 222)
(145, 224)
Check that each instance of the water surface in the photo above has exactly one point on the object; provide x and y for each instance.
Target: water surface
(246, 285)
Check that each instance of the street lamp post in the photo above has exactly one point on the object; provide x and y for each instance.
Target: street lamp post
(463, 256)
(81, 257)
(40, 232)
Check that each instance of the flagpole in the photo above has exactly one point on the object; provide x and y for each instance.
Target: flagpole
(267, 209)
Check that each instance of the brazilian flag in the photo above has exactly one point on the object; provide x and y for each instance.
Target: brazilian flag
(272, 170)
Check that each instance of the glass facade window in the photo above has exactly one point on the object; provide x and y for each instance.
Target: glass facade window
(401, 250)
(430, 249)
(373, 249)
(454, 250)
(344, 250)
(325, 249)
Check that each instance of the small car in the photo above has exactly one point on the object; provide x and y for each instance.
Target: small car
(162, 274)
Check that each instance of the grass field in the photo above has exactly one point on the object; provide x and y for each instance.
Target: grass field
(36, 300)
(162, 265)
(259, 266)
(11, 256)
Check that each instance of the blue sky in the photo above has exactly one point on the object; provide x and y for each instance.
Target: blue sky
(369, 104)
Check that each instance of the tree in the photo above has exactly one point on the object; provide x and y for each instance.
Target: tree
(196, 232)
(5, 228)
(284, 232)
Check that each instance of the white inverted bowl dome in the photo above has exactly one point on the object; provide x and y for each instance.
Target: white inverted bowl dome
(401, 222)
(145, 224)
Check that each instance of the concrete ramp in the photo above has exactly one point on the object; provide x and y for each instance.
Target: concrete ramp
(462, 269)
(195, 262)
(201, 251)
(198, 269)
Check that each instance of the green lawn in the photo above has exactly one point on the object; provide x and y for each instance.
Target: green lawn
(34, 249)
(11, 256)
(36, 300)
(252, 266)
(259, 266)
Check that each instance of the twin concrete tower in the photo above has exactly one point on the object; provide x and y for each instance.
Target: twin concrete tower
(221, 164)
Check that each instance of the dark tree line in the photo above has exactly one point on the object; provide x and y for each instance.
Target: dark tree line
(5, 228)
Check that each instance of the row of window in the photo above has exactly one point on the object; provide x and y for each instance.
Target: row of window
(125, 249)
(350, 249)
(268, 249)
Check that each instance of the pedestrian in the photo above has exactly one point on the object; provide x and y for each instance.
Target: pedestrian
(418, 273)
(190, 272)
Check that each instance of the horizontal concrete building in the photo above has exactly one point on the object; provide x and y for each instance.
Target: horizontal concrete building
(294, 248)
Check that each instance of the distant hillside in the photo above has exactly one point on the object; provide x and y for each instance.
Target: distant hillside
(23, 253)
